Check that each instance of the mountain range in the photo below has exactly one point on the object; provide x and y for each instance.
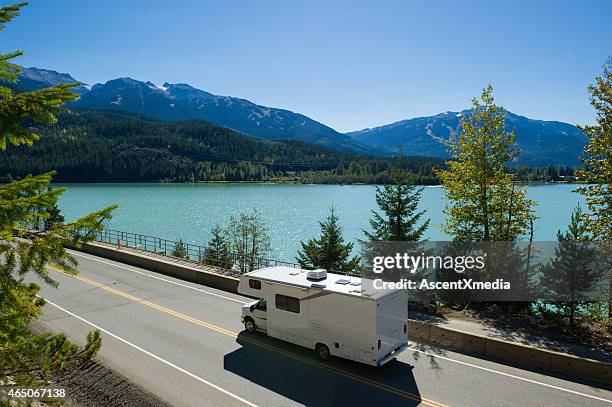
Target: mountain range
(541, 142)
(179, 101)
(35, 78)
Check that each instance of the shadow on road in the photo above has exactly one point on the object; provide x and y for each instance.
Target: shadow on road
(295, 373)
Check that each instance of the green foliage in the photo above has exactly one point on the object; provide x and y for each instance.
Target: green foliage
(16, 108)
(55, 218)
(180, 250)
(249, 240)
(485, 203)
(597, 158)
(329, 251)
(597, 169)
(217, 251)
(398, 203)
(8, 70)
(575, 269)
(24, 356)
(104, 146)
(596, 312)
(544, 174)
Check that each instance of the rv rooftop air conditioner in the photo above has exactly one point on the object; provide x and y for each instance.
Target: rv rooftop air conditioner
(318, 274)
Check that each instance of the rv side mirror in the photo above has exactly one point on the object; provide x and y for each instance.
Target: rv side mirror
(252, 307)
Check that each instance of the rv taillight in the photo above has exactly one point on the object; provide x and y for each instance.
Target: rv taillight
(379, 344)
(404, 328)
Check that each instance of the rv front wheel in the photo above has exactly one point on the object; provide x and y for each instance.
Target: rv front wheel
(249, 325)
(322, 351)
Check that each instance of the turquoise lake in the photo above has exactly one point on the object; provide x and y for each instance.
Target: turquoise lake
(292, 212)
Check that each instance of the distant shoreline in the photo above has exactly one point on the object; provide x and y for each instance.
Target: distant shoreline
(288, 183)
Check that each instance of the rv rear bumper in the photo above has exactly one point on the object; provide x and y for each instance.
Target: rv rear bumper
(393, 354)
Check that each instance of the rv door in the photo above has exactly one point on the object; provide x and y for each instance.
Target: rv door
(260, 315)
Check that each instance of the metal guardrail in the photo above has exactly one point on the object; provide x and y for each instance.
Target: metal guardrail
(186, 253)
(182, 252)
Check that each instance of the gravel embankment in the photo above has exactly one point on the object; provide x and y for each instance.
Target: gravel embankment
(95, 385)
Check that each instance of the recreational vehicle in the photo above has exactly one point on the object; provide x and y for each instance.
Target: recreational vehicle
(333, 314)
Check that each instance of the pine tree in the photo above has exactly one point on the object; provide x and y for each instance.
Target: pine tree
(180, 250)
(55, 217)
(329, 251)
(398, 203)
(574, 270)
(26, 357)
(485, 204)
(217, 252)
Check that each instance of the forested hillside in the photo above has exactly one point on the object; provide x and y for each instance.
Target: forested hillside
(117, 146)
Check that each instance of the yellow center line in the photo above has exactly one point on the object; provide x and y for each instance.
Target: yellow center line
(338, 371)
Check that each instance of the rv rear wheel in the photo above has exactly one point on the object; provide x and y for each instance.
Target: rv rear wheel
(322, 351)
(249, 325)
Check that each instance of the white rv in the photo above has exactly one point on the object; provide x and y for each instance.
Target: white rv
(330, 313)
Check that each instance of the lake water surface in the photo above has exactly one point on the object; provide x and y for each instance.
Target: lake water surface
(292, 212)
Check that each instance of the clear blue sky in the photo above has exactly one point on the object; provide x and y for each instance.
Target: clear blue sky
(347, 64)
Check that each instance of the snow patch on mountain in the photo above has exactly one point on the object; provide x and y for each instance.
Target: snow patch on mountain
(430, 132)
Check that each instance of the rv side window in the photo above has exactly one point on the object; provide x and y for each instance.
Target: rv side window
(255, 284)
(285, 303)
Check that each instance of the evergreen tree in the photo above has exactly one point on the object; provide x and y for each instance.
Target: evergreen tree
(217, 252)
(574, 270)
(249, 240)
(55, 217)
(328, 251)
(180, 250)
(398, 203)
(485, 204)
(25, 357)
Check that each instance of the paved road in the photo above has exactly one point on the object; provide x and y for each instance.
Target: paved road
(185, 343)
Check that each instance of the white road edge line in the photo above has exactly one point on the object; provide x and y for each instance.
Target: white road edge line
(159, 278)
(172, 365)
(511, 375)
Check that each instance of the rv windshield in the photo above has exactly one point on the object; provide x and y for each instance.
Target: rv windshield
(261, 305)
